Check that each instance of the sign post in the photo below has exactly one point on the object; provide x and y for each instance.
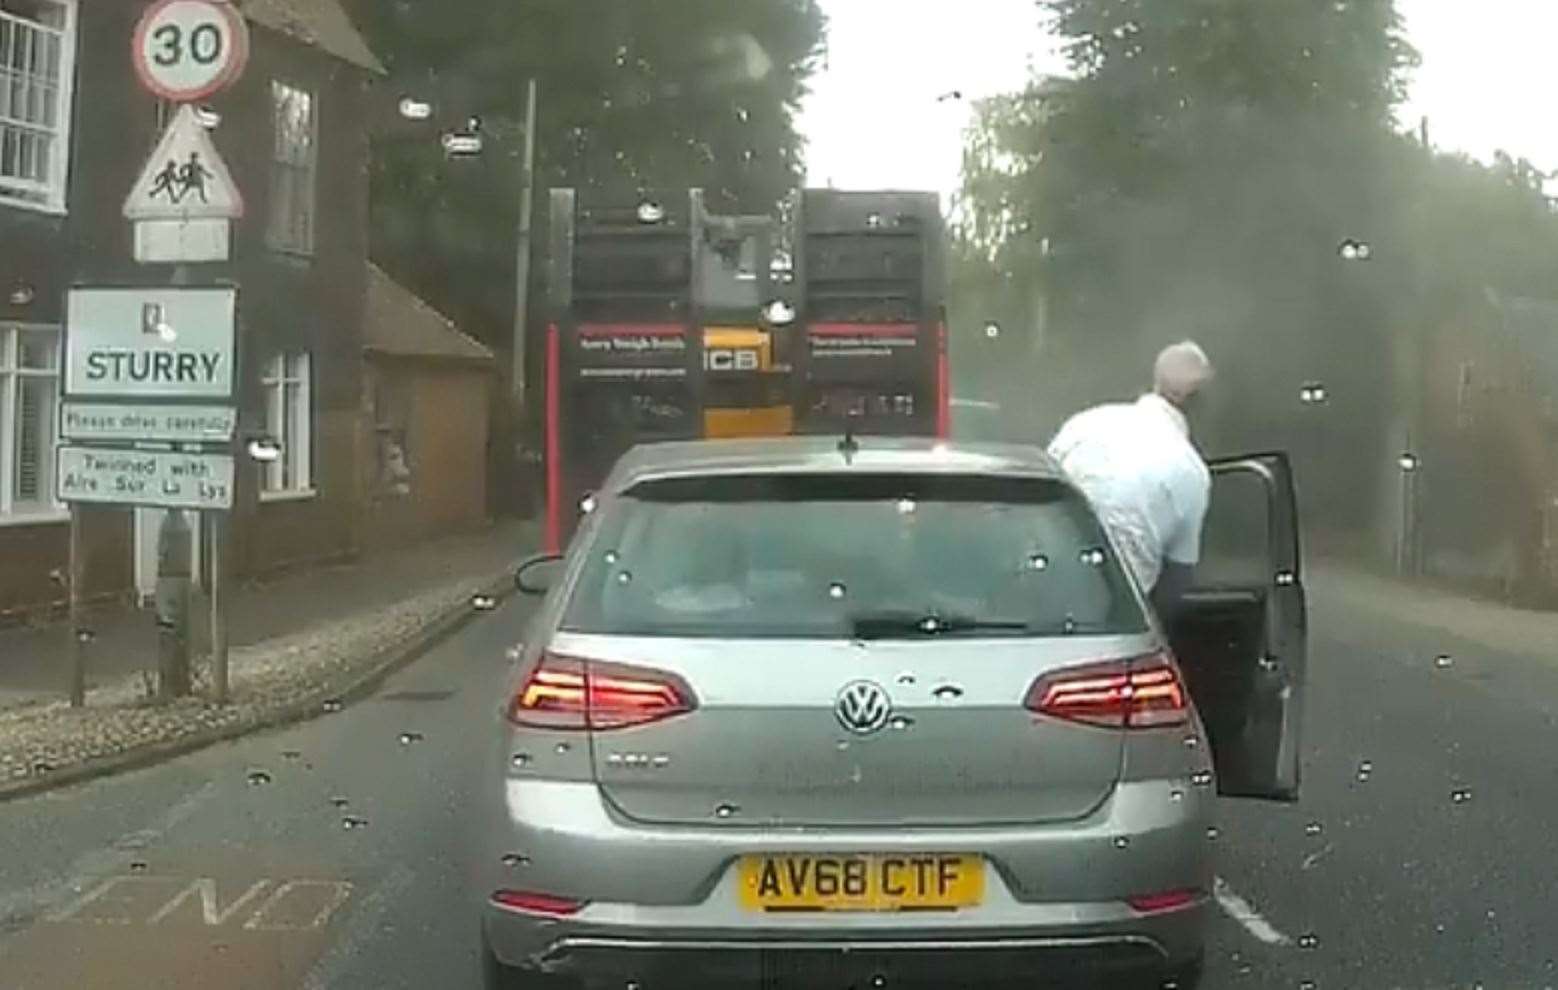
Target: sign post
(148, 408)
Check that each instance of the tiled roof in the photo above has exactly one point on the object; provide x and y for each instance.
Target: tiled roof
(321, 23)
(400, 323)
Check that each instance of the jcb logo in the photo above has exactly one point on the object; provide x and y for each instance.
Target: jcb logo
(730, 359)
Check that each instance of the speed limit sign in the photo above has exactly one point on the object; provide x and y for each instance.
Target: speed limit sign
(186, 50)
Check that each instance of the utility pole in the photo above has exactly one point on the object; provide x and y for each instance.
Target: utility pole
(522, 255)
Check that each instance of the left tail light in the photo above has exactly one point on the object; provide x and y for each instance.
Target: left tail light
(569, 693)
(1141, 693)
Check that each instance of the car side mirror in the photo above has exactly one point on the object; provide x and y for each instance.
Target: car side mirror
(535, 576)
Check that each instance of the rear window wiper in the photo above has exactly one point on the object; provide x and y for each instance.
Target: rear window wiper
(891, 625)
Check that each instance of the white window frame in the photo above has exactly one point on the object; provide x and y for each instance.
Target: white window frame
(47, 509)
(289, 377)
(288, 234)
(49, 196)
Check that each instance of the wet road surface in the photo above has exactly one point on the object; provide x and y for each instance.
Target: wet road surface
(331, 853)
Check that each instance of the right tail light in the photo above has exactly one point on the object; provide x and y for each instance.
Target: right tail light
(1144, 692)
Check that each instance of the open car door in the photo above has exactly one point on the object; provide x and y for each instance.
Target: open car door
(1240, 637)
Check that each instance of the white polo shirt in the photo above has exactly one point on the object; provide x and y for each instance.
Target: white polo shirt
(1148, 484)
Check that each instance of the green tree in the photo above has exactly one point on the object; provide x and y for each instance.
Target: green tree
(1194, 177)
(655, 94)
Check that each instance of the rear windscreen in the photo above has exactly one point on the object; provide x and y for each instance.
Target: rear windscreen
(810, 555)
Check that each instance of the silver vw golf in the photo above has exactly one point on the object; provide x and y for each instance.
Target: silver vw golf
(831, 714)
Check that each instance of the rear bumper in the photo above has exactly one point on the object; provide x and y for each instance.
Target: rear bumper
(663, 905)
(703, 960)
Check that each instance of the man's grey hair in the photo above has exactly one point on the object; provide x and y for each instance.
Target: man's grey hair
(1181, 371)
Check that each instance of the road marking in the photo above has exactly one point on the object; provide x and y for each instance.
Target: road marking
(293, 905)
(27, 903)
(1316, 856)
(211, 911)
(1244, 913)
(336, 893)
(350, 947)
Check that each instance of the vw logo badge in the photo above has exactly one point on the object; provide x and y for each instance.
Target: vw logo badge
(862, 707)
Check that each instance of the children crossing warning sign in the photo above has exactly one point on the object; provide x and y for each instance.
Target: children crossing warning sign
(185, 178)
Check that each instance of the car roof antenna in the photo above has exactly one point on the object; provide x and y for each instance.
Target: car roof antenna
(848, 446)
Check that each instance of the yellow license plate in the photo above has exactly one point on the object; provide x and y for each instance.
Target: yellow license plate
(865, 882)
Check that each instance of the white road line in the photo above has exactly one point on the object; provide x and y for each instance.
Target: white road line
(335, 966)
(1244, 913)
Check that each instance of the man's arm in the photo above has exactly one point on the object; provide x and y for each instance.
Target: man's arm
(1183, 551)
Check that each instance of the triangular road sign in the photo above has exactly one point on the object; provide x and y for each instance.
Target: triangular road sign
(185, 178)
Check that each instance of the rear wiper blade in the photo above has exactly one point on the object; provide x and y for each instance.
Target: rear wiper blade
(887, 625)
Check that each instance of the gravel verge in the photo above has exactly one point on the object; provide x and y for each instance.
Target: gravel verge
(314, 671)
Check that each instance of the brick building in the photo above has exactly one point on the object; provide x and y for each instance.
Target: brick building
(75, 128)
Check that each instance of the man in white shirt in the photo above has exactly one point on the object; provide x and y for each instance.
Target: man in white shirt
(1146, 481)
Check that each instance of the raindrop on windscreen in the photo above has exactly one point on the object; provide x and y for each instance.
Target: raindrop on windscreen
(725, 810)
(1285, 578)
(515, 859)
(1309, 940)
(339, 802)
(1093, 556)
(836, 590)
(1038, 562)
(137, 867)
(905, 506)
(520, 759)
(350, 822)
(258, 778)
(873, 220)
(622, 54)
(291, 754)
(332, 705)
(1176, 795)
(1212, 832)
(1460, 795)
(1201, 778)
(1306, 985)
(992, 330)
(625, 577)
(611, 556)
(1408, 462)
(561, 748)
(1354, 250)
(1365, 768)
(1191, 742)
(1313, 829)
(483, 603)
(1444, 661)
(899, 723)
(407, 738)
(743, 115)
(1122, 842)
(1312, 393)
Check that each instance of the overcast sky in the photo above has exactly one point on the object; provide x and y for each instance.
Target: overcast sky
(1488, 81)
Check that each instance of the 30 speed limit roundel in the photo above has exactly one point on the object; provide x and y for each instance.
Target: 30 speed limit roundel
(187, 50)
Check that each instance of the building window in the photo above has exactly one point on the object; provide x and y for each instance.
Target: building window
(288, 388)
(29, 383)
(296, 121)
(37, 48)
